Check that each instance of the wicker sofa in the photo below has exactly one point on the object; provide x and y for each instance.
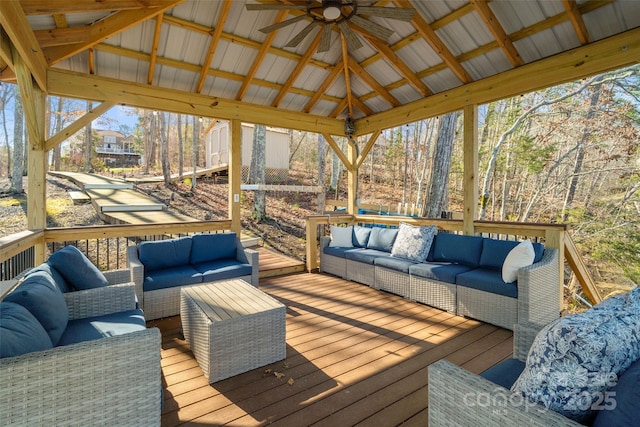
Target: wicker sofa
(160, 268)
(581, 369)
(461, 274)
(75, 350)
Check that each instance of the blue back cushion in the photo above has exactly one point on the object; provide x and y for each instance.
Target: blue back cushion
(361, 236)
(58, 279)
(625, 394)
(382, 239)
(77, 270)
(456, 248)
(20, 332)
(168, 253)
(494, 252)
(40, 296)
(212, 247)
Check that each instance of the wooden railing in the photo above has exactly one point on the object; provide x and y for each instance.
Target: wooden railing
(552, 235)
(104, 245)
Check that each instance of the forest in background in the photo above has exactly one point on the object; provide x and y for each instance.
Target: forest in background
(567, 154)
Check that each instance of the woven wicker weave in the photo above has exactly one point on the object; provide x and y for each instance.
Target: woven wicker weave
(392, 281)
(361, 273)
(434, 293)
(166, 302)
(460, 398)
(232, 327)
(331, 264)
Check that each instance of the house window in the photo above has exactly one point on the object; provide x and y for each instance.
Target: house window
(109, 139)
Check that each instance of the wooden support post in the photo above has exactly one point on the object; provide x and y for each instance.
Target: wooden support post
(554, 238)
(470, 168)
(312, 244)
(352, 178)
(235, 173)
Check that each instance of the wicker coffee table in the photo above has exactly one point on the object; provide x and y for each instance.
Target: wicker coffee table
(232, 327)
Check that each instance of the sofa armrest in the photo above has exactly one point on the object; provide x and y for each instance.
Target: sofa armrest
(100, 301)
(523, 336)
(136, 269)
(249, 256)
(110, 381)
(459, 398)
(324, 242)
(539, 290)
(115, 277)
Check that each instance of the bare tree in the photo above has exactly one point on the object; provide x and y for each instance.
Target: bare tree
(18, 146)
(180, 147)
(6, 93)
(257, 171)
(322, 173)
(88, 141)
(164, 144)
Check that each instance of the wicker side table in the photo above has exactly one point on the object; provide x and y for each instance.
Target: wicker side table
(232, 327)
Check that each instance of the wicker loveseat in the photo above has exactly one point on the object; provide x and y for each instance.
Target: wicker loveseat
(75, 350)
(460, 274)
(581, 369)
(160, 268)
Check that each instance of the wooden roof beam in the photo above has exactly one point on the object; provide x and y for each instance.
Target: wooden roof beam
(215, 38)
(18, 30)
(78, 124)
(48, 7)
(345, 67)
(154, 48)
(333, 75)
(373, 83)
(490, 19)
(576, 20)
(257, 61)
(106, 28)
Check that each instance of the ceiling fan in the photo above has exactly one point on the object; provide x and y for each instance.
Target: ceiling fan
(338, 12)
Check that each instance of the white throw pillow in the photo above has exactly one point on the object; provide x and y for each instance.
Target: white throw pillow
(520, 256)
(341, 236)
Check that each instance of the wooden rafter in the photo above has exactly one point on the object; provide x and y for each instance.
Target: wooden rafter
(302, 63)
(347, 78)
(92, 60)
(48, 7)
(336, 148)
(257, 61)
(154, 49)
(18, 30)
(576, 20)
(490, 19)
(437, 45)
(333, 75)
(215, 38)
(367, 148)
(78, 124)
(373, 83)
(106, 28)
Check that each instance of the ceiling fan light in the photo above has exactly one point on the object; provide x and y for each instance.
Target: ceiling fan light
(331, 9)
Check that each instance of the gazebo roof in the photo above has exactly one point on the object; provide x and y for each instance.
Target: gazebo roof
(209, 57)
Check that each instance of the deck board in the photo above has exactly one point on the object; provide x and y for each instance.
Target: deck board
(355, 355)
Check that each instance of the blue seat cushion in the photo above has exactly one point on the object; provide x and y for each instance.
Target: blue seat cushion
(42, 298)
(487, 280)
(504, 373)
(456, 248)
(222, 269)
(626, 395)
(440, 271)
(108, 325)
(162, 254)
(366, 256)
(170, 277)
(361, 236)
(212, 247)
(398, 264)
(20, 332)
(382, 239)
(76, 268)
(58, 279)
(339, 251)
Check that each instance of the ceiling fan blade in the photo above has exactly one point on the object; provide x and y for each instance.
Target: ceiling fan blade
(383, 33)
(325, 40)
(301, 35)
(261, 6)
(353, 43)
(282, 24)
(398, 13)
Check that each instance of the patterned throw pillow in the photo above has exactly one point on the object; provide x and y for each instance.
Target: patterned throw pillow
(413, 243)
(575, 359)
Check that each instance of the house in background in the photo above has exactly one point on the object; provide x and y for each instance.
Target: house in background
(116, 150)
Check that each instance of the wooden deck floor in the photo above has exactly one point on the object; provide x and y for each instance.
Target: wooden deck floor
(355, 356)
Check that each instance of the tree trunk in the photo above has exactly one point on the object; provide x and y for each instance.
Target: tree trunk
(322, 174)
(88, 141)
(18, 147)
(164, 139)
(8, 91)
(196, 139)
(336, 169)
(441, 165)
(180, 147)
(577, 166)
(257, 172)
(57, 151)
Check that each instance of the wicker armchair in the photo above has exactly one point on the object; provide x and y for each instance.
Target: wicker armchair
(113, 381)
(460, 398)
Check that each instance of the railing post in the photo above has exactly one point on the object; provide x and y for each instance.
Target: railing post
(554, 238)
